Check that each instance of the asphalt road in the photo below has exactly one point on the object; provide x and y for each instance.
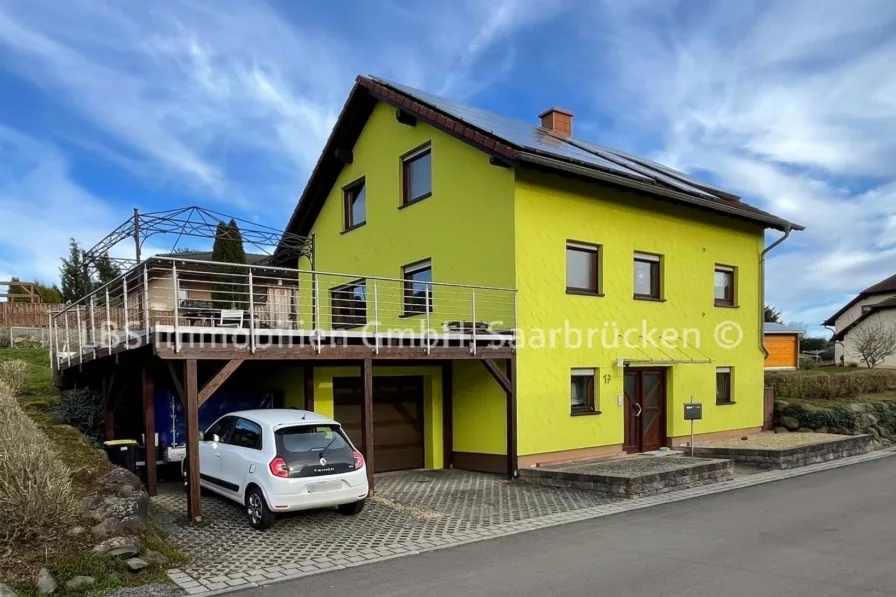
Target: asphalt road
(829, 533)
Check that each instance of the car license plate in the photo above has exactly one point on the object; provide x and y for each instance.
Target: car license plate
(324, 486)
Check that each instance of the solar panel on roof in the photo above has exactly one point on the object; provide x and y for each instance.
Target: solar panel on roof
(515, 132)
(654, 173)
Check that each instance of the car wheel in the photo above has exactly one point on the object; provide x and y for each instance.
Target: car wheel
(260, 516)
(351, 509)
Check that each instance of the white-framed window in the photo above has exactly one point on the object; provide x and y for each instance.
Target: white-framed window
(583, 391)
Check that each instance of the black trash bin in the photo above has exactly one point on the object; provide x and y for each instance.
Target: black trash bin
(122, 452)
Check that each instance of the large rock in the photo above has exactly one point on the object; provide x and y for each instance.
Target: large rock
(781, 405)
(107, 528)
(857, 408)
(102, 507)
(804, 430)
(866, 421)
(136, 564)
(154, 557)
(134, 524)
(780, 429)
(118, 478)
(790, 423)
(6, 591)
(80, 581)
(46, 584)
(822, 430)
(118, 547)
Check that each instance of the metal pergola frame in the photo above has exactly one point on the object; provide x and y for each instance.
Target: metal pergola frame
(193, 222)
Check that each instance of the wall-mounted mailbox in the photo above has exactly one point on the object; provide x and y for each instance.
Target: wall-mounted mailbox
(693, 411)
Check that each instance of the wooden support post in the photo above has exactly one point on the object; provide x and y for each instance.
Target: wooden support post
(308, 381)
(511, 420)
(367, 418)
(191, 383)
(149, 425)
(448, 415)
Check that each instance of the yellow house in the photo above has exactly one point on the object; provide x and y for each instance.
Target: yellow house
(633, 289)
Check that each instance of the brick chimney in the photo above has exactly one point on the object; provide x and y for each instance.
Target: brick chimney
(558, 121)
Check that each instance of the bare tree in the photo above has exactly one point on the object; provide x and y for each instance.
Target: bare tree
(874, 342)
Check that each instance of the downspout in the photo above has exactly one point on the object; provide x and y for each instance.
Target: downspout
(787, 231)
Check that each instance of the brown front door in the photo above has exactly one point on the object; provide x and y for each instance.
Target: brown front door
(397, 419)
(645, 410)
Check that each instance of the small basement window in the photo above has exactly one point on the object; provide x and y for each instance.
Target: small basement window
(582, 396)
(724, 392)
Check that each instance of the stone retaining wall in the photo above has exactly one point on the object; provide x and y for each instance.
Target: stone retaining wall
(878, 420)
(787, 458)
(710, 471)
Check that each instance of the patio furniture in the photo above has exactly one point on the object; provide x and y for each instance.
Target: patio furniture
(231, 318)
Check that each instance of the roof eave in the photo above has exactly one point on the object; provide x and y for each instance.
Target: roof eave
(768, 221)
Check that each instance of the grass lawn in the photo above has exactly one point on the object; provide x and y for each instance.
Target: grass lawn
(67, 556)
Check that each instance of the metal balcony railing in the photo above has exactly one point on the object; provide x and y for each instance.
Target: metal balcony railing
(184, 297)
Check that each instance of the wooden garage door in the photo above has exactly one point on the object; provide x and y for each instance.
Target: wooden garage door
(781, 350)
(397, 419)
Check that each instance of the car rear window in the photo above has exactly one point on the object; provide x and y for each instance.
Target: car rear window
(312, 450)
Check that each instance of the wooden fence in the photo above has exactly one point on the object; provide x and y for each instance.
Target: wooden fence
(27, 315)
(768, 422)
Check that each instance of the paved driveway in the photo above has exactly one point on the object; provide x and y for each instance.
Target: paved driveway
(412, 511)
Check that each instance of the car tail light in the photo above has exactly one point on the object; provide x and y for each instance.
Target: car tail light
(279, 467)
(359, 459)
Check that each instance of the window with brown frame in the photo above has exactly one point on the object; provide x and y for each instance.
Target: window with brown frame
(724, 286)
(724, 392)
(417, 287)
(354, 205)
(582, 268)
(648, 276)
(416, 175)
(582, 398)
(348, 304)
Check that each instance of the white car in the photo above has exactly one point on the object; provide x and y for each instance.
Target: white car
(281, 460)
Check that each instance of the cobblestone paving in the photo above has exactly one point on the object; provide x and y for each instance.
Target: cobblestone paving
(412, 512)
(409, 508)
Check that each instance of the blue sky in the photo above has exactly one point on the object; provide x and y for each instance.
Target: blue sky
(226, 104)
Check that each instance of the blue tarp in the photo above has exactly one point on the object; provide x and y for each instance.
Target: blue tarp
(168, 407)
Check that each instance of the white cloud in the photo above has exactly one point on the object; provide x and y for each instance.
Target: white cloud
(41, 208)
(791, 104)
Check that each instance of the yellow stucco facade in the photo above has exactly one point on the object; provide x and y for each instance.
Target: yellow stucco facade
(505, 227)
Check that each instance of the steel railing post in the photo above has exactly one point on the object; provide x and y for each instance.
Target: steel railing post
(78, 323)
(68, 341)
(176, 309)
(107, 336)
(426, 331)
(317, 306)
(127, 321)
(50, 329)
(93, 324)
(251, 315)
(473, 323)
(376, 321)
(146, 301)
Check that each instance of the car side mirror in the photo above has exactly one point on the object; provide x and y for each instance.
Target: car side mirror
(211, 437)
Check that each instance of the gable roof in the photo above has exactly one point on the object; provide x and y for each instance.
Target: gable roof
(885, 286)
(884, 305)
(510, 143)
(770, 327)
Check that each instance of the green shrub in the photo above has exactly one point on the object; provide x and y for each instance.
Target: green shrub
(808, 363)
(830, 386)
(852, 364)
(82, 408)
(36, 499)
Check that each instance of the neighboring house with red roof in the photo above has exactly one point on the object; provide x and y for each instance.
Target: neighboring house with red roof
(876, 305)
